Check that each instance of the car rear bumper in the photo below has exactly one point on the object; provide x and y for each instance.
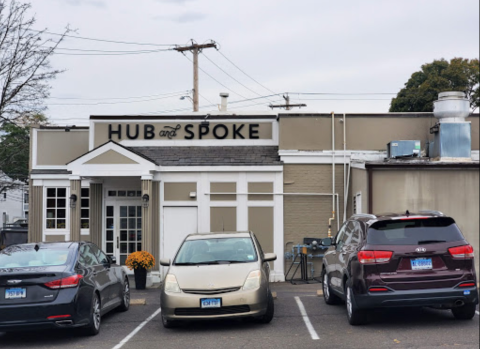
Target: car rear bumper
(34, 316)
(183, 306)
(417, 298)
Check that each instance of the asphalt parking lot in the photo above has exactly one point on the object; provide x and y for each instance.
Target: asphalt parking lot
(401, 328)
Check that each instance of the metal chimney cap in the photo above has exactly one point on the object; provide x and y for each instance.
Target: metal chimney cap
(451, 106)
(224, 94)
(452, 95)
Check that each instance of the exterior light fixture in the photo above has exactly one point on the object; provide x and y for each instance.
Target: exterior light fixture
(145, 200)
(193, 194)
(73, 200)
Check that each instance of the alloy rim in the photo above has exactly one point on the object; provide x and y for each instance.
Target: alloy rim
(96, 313)
(326, 291)
(126, 295)
(349, 302)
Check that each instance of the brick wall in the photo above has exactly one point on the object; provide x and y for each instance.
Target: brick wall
(307, 216)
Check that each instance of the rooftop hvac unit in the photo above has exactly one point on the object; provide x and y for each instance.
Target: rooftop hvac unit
(399, 149)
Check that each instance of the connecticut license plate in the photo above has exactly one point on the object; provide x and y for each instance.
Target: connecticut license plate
(15, 293)
(421, 264)
(210, 303)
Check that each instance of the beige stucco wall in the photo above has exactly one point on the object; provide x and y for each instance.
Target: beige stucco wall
(223, 219)
(260, 221)
(260, 187)
(223, 187)
(179, 191)
(111, 157)
(454, 192)
(358, 184)
(362, 133)
(57, 147)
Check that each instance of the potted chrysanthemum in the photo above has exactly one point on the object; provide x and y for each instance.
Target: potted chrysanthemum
(140, 261)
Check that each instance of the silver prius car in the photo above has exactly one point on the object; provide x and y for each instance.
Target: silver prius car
(217, 275)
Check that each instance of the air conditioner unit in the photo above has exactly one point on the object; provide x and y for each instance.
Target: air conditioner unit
(399, 149)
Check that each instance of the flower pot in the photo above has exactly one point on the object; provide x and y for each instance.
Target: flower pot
(140, 278)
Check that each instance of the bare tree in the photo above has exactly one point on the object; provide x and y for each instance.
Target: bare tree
(25, 71)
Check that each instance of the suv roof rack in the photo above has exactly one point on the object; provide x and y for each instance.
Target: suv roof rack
(364, 215)
(434, 212)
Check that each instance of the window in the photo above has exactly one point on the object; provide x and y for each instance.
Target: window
(85, 208)
(101, 257)
(56, 208)
(87, 256)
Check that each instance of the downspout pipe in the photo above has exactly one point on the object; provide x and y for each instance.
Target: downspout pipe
(345, 190)
(333, 177)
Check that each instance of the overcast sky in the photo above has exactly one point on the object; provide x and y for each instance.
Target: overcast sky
(304, 46)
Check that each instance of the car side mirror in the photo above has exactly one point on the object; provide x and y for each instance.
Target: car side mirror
(269, 257)
(327, 242)
(164, 262)
(113, 260)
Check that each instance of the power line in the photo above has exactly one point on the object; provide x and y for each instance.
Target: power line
(211, 77)
(108, 103)
(236, 66)
(112, 54)
(101, 40)
(216, 65)
(111, 51)
(342, 94)
(101, 99)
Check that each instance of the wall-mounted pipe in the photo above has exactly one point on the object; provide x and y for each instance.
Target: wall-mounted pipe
(333, 177)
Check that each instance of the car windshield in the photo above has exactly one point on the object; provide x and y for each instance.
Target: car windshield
(414, 231)
(216, 251)
(21, 257)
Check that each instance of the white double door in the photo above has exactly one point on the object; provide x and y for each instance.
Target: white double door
(123, 228)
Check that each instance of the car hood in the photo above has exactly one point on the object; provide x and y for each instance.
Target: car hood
(216, 276)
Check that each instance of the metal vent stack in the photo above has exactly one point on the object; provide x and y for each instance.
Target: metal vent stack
(452, 140)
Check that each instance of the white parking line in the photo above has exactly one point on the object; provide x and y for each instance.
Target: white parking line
(135, 331)
(307, 320)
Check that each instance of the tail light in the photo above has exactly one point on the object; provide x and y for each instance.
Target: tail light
(462, 252)
(68, 282)
(55, 317)
(378, 289)
(467, 284)
(374, 257)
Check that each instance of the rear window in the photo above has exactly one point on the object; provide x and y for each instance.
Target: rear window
(17, 257)
(212, 251)
(414, 232)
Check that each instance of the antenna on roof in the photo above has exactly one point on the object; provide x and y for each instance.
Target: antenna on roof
(223, 225)
(407, 213)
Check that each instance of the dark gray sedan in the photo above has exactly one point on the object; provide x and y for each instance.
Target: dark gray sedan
(59, 285)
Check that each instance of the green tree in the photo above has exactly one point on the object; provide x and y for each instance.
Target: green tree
(15, 151)
(423, 87)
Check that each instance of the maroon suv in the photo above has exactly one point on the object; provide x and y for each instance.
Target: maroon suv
(400, 260)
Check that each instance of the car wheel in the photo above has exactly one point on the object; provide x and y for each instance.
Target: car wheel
(328, 295)
(268, 317)
(465, 312)
(168, 323)
(125, 297)
(93, 328)
(355, 316)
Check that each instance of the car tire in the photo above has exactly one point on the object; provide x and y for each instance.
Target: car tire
(93, 327)
(268, 316)
(168, 323)
(125, 305)
(328, 296)
(465, 312)
(355, 316)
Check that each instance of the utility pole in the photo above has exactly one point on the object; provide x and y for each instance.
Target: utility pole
(287, 104)
(195, 49)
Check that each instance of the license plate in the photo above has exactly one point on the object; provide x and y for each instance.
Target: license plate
(210, 303)
(15, 293)
(421, 264)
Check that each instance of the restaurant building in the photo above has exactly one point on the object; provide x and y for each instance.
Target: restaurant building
(133, 183)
